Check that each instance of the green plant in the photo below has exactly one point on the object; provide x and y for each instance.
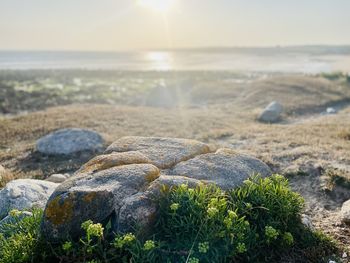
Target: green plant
(257, 222)
(20, 237)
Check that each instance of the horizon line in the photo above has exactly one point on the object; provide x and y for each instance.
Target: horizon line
(182, 48)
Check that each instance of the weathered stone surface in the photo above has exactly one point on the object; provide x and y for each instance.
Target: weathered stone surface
(163, 152)
(57, 178)
(141, 210)
(225, 168)
(2, 170)
(122, 184)
(331, 110)
(103, 162)
(69, 141)
(271, 113)
(345, 212)
(24, 194)
(97, 197)
(307, 222)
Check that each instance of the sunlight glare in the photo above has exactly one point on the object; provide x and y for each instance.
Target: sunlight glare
(159, 60)
(157, 5)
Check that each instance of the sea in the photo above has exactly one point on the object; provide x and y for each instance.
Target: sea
(297, 59)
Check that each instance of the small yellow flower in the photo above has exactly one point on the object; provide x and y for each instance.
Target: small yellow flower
(86, 224)
(174, 207)
(15, 213)
(67, 246)
(149, 245)
(212, 211)
(241, 248)
(193, 260)
(203, 247)
(95, 230)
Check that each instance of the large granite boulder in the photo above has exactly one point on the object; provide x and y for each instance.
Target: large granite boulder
(225, 168)
(121, 185)
(69, 141)
(24, 194)
(272, 113)
(163, 152)
(345, 212)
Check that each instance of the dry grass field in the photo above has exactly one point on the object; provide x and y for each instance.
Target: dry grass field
(308, 146)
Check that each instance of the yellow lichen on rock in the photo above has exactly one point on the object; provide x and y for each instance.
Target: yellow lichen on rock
(104, 162)
(152, 175)
(59, 211)
(89, 197)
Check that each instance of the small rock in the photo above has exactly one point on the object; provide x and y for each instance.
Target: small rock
(271, 113)
(57, 178)
(24, 194)
(69, 141)
(344, 255)
(345, 212)
(331, 110)
(306, 221)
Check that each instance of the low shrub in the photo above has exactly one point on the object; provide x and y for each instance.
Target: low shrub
(19, 239)
(257, 222)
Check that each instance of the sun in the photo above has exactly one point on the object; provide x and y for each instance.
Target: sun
(157, 5)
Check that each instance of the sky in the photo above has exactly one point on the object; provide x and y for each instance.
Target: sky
(113, 25)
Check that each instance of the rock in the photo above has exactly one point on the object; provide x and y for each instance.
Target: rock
(57, 178)
(69, 141)
(120, 186)
(24, 194)
(331, 110)
(225, 168)
(3, 173)
(271, 113)
(95, 196)
(307, 222)
(345, 212)
(162, 152)
(2, 170)
(103, 162)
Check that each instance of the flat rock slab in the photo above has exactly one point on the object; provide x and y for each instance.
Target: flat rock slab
(163, 152)
(25, 194)
(225, 168)
(69, 141)
(121, 185)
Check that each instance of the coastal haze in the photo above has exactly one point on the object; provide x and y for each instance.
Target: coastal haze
(303, 59)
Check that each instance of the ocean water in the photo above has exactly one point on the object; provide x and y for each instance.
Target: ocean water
(309, 60)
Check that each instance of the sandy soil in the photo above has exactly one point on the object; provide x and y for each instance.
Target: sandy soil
(305, 146)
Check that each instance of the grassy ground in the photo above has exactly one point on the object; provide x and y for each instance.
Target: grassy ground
(219, 109)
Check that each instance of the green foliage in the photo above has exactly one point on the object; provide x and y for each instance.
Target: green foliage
(19, 239)
(258, 222)
(334, 75)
